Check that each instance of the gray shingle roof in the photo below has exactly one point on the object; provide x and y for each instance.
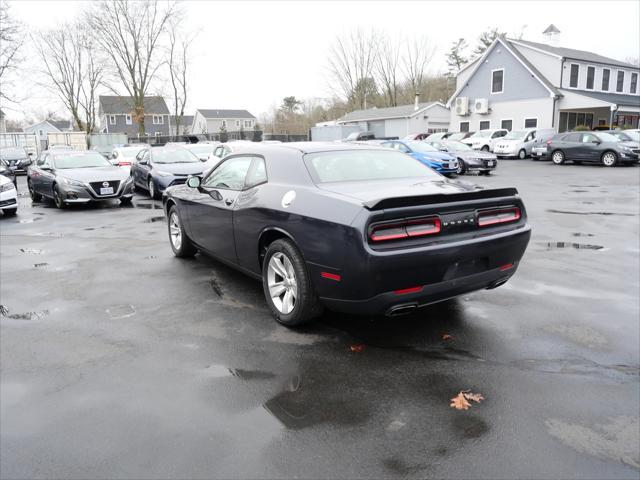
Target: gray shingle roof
(186, 120)
(575, 54)
(112, 104)
(537, 73)
(213, 113)
(401, 111)
(60, 124)
(615, 98)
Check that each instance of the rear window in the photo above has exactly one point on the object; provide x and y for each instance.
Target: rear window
(362, 165)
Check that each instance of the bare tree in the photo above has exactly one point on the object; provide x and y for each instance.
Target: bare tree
(388, 68)
(418, 54)
(352, 60)
(178, 64)
(11, 41)
(130, 34)
(72, 70)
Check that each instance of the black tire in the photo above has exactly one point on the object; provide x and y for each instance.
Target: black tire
(185, 249)
(10, 212)
(609, 158)
(36, 197)
(486, 172)
(125, 201)
(151, 186)
(57, 198)
(307, 306)
(558, 157)
(522, 154)
(485, 148)
(462, 167)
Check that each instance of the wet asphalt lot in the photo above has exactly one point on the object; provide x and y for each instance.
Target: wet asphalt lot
(120, 361)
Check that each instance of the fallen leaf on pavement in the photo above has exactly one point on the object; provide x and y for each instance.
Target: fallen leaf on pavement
(447, 337)
(459, 402)
(476, 397)
(357, 348)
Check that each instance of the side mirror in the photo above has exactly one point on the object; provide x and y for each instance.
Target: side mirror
(46, 168)
(597, 142)
(31, 154)
(143, 162)
(193, 181)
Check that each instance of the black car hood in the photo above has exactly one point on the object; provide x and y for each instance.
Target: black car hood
(370, 193)
(93, 174)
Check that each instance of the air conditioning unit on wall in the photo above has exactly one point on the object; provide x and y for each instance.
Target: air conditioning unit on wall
(481, 105)
(462, 106)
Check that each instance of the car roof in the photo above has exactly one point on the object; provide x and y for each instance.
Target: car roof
(302, 147)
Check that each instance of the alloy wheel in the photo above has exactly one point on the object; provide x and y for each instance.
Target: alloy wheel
(282, 282)
(609, 159)
(175, 232)
(152, 189)
(461, 167)
(522, 154)
(557, 158)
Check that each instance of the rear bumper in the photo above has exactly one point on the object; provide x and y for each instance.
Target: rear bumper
(391, 303)
(373, 282)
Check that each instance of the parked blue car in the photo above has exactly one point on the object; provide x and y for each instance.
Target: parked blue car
(427, 154)
(156, 169)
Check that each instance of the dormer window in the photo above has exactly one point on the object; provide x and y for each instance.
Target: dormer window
(634, 83)
(497, 81)
(128, 119)
(573, 78)
(591, 73)
(112, 119)
(606, 73)
(620, 81)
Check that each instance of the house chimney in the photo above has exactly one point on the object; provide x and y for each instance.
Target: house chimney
(551, 35)
(417, 101)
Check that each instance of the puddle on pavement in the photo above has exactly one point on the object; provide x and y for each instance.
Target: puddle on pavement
(250, 374)
(584, 186)
(43, 264)
(579, 191)
(148, 206)
(468, 427)
(154, 219)
(4, 311)
(29, 220)
(120, 311)
(580, 234)
(32, 251)
(150, 257)
(577, 246)
(98, 228)
(571, 212)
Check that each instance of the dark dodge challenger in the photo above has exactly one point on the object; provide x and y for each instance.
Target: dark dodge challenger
(354, 228)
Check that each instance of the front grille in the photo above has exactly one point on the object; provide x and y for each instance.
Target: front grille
(96, 186)
(636, 151)
(4, 203)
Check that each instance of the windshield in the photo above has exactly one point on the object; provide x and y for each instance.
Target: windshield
(457, 136)
(421, 147)
(634, 135)
(353, 136)
(607, 137)
(130, 152)
(362, 165)
(623, 137)
(173, 155)
(79, 160)
(481, 134)
(198, 149)
(516, 135)
(457, 146)
(12, 153)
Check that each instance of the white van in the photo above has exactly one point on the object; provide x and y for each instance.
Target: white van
(519, 143)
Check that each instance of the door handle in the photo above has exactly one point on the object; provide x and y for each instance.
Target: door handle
(228, 201)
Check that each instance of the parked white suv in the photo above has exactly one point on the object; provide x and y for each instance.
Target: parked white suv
(519, 143)
(483, 139)
(8, 196)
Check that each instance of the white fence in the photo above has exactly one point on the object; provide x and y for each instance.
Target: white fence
(28, 141)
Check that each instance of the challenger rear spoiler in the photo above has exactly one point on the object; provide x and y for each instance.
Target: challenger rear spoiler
(398, 202)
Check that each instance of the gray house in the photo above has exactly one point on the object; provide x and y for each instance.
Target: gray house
(400, 121)
(519, 84)
(116, 116)
(211, 120)
(184, 128)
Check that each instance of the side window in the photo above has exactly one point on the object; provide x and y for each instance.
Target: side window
(257, 173)
(230, 174)
(588, 138)
(42, 159)
(218, 152)
(573, 137)
(498, 134)
(402, 148)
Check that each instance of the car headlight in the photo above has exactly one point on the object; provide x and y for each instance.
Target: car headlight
(625, 148)
(162, 173)
(7, 187)
(71, 182)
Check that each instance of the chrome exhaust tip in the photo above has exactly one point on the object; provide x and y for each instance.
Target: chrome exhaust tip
(404, 309)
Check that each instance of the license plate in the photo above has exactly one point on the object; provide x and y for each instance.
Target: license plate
(490, 163)
(106, 191)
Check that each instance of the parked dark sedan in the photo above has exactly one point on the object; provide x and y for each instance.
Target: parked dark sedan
(593, 147)
(155, 169)
(355, 228)
(468, 158)
(17, 158)
(7, 171)
(69, 176)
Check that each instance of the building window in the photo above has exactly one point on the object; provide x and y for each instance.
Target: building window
(158, 120)
(530, 123)
(497, 81)
(634, 83)
(506, 124)
(112, 119)
(573, 78)
(128, 119)
(157, 134)
(41, 133)
(237, 123)
(464, 126)
(591, 73)
(620, 81)
(224, 123)
(485, 125)
(606, 73)
(602, 122)
(247, 123)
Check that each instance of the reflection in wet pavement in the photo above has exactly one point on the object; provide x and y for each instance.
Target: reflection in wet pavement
(570, 212)
(148, 206)
(155, 219)
(577, 246)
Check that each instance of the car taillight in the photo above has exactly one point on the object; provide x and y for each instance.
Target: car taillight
(410, 228)
(548, 142)
(124, 164)
(498, 215)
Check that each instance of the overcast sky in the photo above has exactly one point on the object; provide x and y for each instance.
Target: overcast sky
(249, 55)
